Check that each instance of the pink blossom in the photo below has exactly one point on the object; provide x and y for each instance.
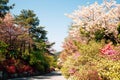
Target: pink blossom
(76, 55)
(108, 50)
(72, 70)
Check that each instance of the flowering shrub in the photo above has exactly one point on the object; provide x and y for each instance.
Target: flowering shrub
(79, 64)
(90, 65)
(85, 55)
(111, 52)
(69, 48)
(72, 71)
(108, 69)
(108, 50)
(108, 66)
(117, 55)
(17, 66)
(27, 68)
(11, 69)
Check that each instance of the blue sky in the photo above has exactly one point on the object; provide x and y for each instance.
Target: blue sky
(51, 15)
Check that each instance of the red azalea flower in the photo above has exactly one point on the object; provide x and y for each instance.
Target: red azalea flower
(27, 68)
(11, 69)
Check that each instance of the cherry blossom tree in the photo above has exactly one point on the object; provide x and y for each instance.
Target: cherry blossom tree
(12, 34)
(93, 18)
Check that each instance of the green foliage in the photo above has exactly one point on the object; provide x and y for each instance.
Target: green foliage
(83, 32)
(39, 46)
(99, 35)
(40, 67)
(38, 34)
(42, 61)
(4, 8)
(91, 49)
(51, 61)
(108, 69)
(118, 29)
(3, 47)
(36, 57)
(27, 18)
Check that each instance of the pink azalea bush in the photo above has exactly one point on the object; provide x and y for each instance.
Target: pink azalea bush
(111, 52)
(108, 50)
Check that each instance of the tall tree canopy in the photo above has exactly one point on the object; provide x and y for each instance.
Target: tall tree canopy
(4, 8)
(27, 18)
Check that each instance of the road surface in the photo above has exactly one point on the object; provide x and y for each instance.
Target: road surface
(51, 76)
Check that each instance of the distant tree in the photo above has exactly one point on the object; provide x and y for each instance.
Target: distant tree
(4, 8)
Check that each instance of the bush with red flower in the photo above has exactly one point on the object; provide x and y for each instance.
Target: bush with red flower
(9, 66)
(11, 69)
(27, 68)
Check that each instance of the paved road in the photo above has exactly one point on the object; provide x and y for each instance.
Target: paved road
(50, 76)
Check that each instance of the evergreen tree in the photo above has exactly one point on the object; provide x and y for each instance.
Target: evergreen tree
(4, 8)
(27, 18)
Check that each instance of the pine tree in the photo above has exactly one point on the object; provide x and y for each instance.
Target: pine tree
(4, 8)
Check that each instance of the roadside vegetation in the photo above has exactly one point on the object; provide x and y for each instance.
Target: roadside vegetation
(24, 48)
(91, 51)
